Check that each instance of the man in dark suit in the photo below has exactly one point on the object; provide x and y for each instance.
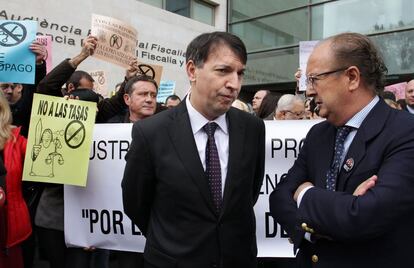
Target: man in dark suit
(192, 192)
(348, 199)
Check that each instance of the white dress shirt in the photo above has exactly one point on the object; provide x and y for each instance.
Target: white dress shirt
(410, 110)
(221, 136)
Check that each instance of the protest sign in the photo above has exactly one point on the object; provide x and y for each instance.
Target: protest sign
(165, 89)
(305, 49)
(397, 89)
(46, 40)
(100, 84)
(117, 40)
(151, 70)
(60, 136)
(94, 215)
(17, 61)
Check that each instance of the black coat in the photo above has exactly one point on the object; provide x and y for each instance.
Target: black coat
(166, 192)
(373, 230)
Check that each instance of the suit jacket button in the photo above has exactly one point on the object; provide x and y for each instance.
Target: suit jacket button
(304, 226)
(315, 258)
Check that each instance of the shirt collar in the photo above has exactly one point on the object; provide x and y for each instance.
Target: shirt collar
(358, 118)
(198, 121)
(411, 110)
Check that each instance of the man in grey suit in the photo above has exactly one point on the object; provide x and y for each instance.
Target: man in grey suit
(194, 172)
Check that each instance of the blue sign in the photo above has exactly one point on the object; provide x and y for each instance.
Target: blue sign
(17, 61)
(165, 89)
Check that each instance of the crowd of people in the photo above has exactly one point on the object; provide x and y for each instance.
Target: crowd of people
(195, 206)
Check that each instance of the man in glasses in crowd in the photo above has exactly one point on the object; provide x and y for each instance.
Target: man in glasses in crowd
(290, 107)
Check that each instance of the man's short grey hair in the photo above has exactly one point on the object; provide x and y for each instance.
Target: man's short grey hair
(287, 101)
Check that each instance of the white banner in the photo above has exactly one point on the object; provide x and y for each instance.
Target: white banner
(94, 215)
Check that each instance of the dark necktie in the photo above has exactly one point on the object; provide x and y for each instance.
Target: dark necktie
(332, 173)
(213, 170)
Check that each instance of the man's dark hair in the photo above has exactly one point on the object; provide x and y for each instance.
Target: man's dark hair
(268, 105)
(389, 95)
(354, 49)
(312, 106)
(129, 85)
(201, 46)
(172, 97)
(75, 78)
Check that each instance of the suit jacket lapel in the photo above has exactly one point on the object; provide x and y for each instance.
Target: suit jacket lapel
(183, 140)
(370, 127)
(236, 140)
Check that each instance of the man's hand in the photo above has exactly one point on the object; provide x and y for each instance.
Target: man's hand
(132, 69)
(88, 48)
(298, 74)
(89, 45)
(365, 186)
(39, 50)
(300, 189)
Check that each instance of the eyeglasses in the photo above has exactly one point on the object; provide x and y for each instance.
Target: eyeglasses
(310, 80)
(298, 115)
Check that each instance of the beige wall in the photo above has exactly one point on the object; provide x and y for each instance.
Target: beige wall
(154, 26)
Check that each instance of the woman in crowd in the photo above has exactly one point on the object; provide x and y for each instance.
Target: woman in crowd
(15, 224)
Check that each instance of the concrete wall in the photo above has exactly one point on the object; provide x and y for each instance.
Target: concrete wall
(70, 21)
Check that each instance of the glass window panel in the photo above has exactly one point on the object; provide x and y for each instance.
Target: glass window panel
(363, 16)
(397, 50)
(181, 7)
(203, 12)
(274, 31)
(272, 67)
(244, 9)
(156, 3)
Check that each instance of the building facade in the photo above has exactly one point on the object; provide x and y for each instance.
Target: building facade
(272, 30)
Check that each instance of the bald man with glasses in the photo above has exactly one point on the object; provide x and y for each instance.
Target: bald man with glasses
(348, 199)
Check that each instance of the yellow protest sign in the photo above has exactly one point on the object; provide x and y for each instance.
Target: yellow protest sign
(59, 141)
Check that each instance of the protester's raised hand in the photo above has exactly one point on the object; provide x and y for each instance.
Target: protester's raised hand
(298, 74)
(39, 50)
(132, 69)
(89, 45)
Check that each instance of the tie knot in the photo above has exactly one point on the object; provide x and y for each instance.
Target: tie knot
(210, 128)
(343, 132)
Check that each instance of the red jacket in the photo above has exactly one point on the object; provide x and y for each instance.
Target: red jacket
(17, 213)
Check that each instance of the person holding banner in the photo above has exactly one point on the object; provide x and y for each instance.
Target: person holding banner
(15, 226)
(140, 96)
(194, 173)
(348, 199)
(50, 211)
(20, 96)
(81, 83)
